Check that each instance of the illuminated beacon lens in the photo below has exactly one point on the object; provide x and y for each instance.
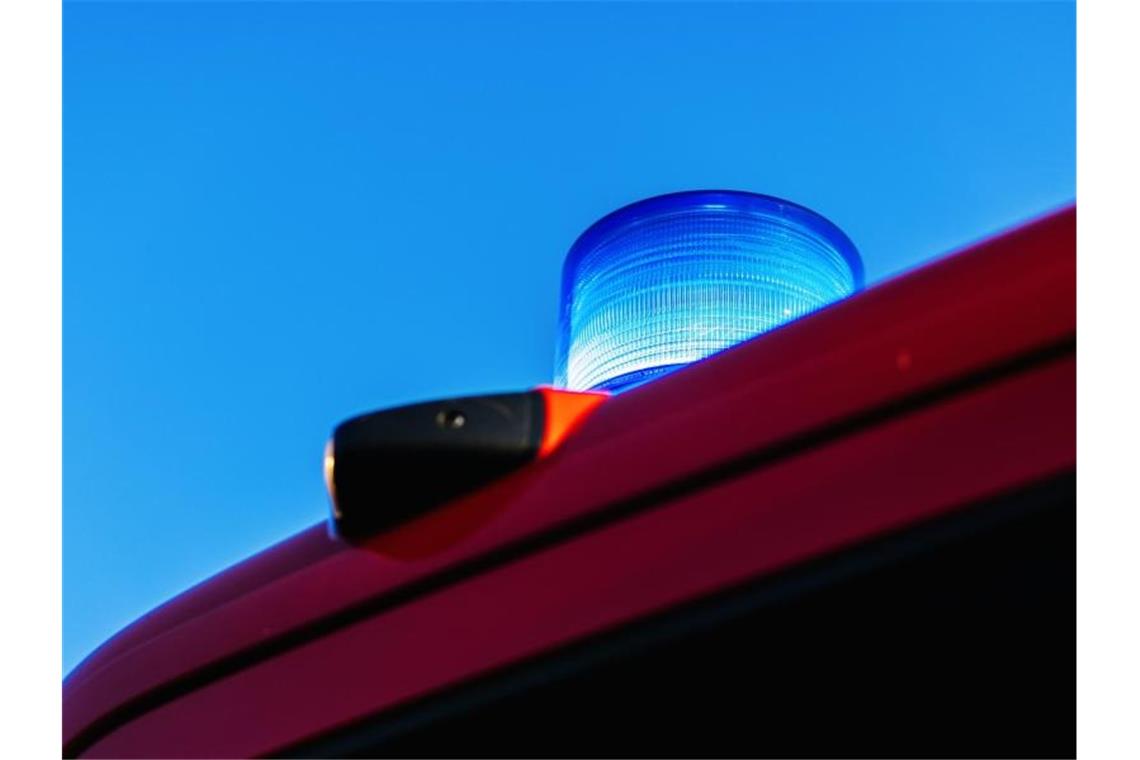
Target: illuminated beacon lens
(673, 279)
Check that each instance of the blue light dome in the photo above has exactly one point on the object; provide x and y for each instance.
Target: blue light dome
(670, 280)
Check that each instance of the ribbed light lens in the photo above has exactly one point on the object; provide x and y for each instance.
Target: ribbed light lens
(672, 279)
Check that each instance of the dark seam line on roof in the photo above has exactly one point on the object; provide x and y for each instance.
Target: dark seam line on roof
(563, 532)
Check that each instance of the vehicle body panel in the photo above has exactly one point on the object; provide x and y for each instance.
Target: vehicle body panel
(915, 397)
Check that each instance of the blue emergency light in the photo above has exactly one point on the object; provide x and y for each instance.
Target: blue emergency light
(672, 279)
(649, 288)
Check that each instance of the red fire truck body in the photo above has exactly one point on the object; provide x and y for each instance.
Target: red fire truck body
(852, 535)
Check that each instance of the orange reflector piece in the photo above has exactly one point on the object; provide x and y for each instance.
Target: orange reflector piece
(565, 410)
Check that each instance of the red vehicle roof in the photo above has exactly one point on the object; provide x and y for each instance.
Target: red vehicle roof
(887, 409)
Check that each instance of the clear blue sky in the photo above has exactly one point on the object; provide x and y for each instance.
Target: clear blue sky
(279, 215)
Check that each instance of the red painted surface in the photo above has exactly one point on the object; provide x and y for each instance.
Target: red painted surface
(916, 468)
(1006, 296)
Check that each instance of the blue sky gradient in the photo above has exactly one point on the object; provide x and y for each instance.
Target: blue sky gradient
(280, 215)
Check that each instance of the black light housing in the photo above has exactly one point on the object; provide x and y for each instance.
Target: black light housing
(387, 467)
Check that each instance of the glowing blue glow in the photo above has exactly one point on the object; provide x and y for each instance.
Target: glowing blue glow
(672, 279)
